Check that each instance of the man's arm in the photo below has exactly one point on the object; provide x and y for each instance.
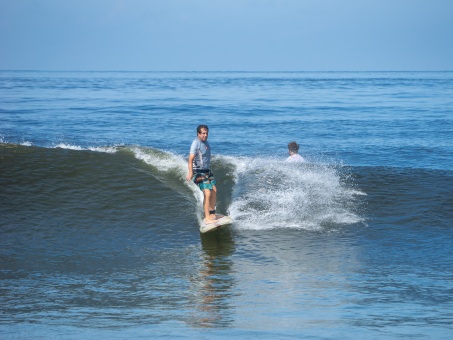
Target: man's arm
(190, 167)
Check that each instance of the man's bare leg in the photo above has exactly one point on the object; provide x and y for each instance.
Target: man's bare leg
(210, 198)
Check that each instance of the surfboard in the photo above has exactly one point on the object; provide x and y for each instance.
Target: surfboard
(224, 220)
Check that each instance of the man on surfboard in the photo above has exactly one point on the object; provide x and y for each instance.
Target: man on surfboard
(200, 174)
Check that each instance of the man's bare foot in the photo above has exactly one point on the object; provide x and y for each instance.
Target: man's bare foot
(215, 217)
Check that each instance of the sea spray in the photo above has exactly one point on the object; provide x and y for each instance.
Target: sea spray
(273, 194)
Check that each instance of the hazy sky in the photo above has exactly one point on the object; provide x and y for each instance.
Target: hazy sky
(248, 35)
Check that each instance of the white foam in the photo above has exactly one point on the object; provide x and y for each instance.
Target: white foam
(23, 143)
(164, 161)
(105, 149)
(68, 146)
(273, 194)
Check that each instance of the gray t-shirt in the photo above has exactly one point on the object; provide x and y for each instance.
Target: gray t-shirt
(202, 152)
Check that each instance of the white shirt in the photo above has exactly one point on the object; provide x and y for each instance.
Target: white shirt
(296, 158)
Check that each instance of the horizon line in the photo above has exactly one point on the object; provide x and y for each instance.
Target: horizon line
(219, 71)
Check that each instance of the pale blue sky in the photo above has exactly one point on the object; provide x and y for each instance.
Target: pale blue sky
(226, 35)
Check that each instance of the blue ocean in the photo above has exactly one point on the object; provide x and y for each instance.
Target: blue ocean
(99, 230)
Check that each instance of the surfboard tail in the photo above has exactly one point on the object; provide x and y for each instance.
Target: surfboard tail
(224, 220)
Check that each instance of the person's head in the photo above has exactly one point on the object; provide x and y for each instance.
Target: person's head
(293, 147)
(202, 132)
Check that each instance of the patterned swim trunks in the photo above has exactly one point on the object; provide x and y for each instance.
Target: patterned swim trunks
(204, 180)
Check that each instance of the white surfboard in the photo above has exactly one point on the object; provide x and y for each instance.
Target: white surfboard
(224, 220)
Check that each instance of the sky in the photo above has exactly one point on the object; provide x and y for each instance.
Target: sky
(226, 35)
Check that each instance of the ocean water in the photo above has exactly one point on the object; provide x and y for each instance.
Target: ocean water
(99, 229)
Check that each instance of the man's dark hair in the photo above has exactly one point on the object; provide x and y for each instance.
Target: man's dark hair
(200, 127)
(293, 147)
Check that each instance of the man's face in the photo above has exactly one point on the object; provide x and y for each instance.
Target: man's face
(203, 135)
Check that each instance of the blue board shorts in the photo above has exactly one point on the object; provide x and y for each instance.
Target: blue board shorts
(204, 179)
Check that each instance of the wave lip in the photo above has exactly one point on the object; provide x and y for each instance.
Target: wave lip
(106, 149)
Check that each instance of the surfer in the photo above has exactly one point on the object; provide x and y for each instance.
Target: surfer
(293, 150)
(200, 174)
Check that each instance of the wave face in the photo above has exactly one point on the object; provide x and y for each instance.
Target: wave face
(258, 193)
